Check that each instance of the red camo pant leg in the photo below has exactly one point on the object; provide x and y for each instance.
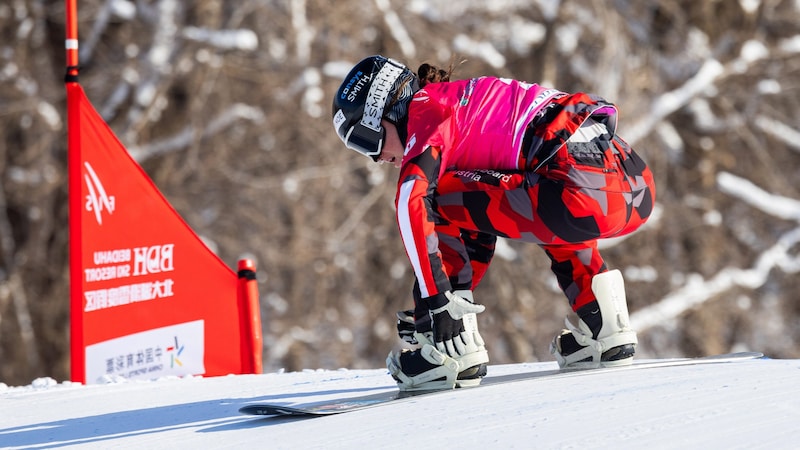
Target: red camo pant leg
(641, 186)
(480, 248)
(574, 265)
(490, 202)
(465, 254)
(454, 254)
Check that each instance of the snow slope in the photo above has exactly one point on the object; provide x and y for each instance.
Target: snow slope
(750, 404)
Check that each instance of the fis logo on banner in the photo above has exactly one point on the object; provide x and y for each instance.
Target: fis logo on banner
(98, 200)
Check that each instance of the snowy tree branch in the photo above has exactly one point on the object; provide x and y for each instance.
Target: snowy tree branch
(185, 138)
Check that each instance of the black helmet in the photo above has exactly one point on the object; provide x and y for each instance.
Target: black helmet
(376, 88)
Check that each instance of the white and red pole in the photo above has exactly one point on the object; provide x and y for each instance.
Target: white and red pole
(77, 353)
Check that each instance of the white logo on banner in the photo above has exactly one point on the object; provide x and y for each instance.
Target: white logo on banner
(176, 350)
(97, 201)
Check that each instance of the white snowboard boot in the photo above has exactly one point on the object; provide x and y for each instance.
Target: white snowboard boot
(603, 337)
(427, 368)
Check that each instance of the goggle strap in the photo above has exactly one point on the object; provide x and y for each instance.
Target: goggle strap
(378, 93)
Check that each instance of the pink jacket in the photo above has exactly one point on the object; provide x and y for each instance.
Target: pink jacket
(478, 123)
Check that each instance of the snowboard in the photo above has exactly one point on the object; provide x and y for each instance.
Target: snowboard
(330, 407)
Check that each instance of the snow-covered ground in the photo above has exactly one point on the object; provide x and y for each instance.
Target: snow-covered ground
(749, 404)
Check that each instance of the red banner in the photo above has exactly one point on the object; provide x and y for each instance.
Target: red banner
(148, 298)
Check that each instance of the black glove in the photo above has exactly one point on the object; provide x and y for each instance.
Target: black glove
(447, 311)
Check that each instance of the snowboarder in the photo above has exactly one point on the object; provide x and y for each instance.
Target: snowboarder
(488, 157)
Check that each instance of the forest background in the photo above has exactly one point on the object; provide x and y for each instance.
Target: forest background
(226, 105)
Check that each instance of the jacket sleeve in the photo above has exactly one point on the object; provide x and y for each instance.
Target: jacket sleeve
(415, 218)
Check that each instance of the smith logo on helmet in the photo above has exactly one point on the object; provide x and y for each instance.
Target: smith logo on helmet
(378, 92)
(359, 80)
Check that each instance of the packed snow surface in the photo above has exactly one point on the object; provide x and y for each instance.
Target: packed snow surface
(747, 404)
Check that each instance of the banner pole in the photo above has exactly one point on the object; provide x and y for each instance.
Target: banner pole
(77, 352)
(250, 316)
(71, 42)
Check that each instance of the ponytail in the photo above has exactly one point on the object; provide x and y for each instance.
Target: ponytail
(431, 74)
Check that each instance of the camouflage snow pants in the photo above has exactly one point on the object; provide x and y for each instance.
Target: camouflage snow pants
(593, 186)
